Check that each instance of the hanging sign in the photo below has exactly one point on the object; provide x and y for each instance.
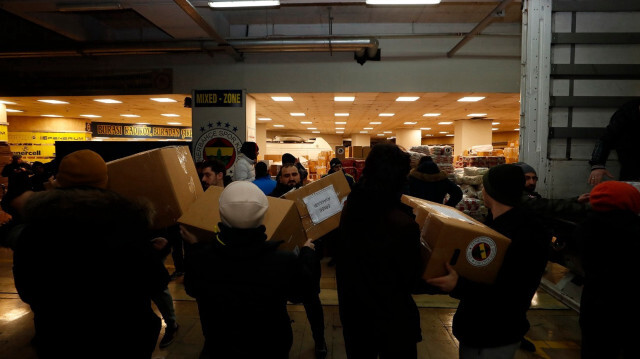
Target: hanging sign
(121, 130)
(217, 98)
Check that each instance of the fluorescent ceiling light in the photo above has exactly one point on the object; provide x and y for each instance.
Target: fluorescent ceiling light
(339, 128)
(344, 98)
(174, 123)
(449, 135)
(381, 134)
(407, 98)
(516, 129)
(12, 110)
(495, 123)
(444, 132)
(306, 122)
(428, 135)
(477, 114)
(244, 3)
(129, 115)
(54, 102)
(107, 100)
(410, 123)
(364, 131)
(445, 123)
(341, 114)
(388, 131)
(402, 2)
(91, 116)
(368, 128)
(386, 114)
(169, 115)
(282, 98)
(264, 119)
(311, 128)
(142, 123)
(50, 115)
(278, 125)
(162, 99)
(315, 131)
(339, 131)
(495, 129)
(431, 115)
(341, 123)
(297, 114)
(375, 123)
(7, 102)
(425, 128)
(470, 99)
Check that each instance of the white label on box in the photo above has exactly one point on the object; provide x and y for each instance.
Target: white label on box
(481, 251)
(452, 213)
(322, 204)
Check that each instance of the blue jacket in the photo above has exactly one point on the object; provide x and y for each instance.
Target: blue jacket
(266, 184)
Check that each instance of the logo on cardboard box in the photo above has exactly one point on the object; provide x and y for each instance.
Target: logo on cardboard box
(481, 251)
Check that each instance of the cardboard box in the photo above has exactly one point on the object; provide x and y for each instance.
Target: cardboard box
(340, 153)
(474, 250)
(356, 152)
(365, 151)
(281, 220)
(167, 177)
(320, 204)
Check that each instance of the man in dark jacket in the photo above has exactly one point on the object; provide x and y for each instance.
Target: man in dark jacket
(378, 266)
(428, 182)
(242, 282)
(101, 242)
(610, 241)
(621, 134)
(288, 179)
(336, 165)
(491, 318)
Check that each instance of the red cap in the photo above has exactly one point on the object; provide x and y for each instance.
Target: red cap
(614, 195)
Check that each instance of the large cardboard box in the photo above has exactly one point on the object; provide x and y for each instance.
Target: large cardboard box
(281, 220)
(341, 152)
(356, 152)
(365, 151)
(167, 177)
(474, 250)
(319, 204)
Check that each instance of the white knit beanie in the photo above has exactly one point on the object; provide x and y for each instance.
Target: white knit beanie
(243, 205)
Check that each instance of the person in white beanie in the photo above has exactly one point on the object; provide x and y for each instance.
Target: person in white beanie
(242, 282)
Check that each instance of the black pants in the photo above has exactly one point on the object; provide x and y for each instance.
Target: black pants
(315, 315)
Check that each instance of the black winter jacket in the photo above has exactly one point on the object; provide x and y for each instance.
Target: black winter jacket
(84, 264)
(621, 134)
(242, 283)
(434, 187)
(491, 315)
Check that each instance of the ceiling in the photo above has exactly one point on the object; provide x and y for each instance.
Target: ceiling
(41, 29)
(319, 108)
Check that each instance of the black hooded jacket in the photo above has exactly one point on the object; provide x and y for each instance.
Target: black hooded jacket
(428, 182)
(242, 283)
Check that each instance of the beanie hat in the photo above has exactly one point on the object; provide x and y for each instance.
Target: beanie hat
(249, 149)
(288, 158)
(525, 167)
(612, 195)
(82, 168)
(428, 167)
(242, 205)
(504, 183)
(334, 162)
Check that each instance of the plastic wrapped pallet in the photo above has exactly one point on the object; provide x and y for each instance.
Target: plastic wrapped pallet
(475, 171)
(459, 175)
(446, 167)
(421, 149)
(415, 158)
(469, 191)
(472, 180)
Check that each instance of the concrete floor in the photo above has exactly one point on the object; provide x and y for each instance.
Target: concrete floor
(554, 327)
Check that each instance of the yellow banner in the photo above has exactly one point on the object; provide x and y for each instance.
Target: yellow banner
(40, 146)
(3, 133)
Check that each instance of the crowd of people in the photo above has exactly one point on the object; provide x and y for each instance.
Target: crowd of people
(242, 282)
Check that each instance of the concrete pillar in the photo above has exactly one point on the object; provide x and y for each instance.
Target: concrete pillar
(408, 138)
(251, 119)
(261, 139)
(360, 139)
(471, 133)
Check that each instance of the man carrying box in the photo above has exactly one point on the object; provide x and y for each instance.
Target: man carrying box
(491, 318)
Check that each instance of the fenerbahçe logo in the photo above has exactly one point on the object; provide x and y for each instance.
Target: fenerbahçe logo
(481, 251)
(220, 144)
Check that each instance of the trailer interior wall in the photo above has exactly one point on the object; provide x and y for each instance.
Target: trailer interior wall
(592, 67)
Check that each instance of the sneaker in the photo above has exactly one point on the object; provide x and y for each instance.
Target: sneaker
(321, 351)
(169, 336)
(175, 275)
(527, 345)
